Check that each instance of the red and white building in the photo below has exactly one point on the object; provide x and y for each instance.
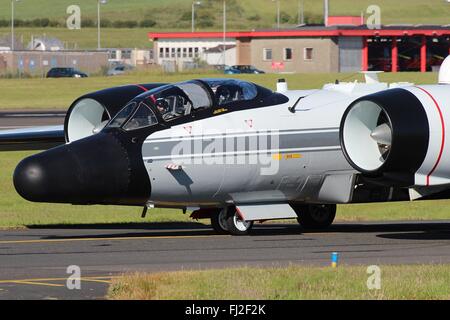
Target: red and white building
(345, 45)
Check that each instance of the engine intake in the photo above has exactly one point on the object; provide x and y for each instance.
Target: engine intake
(386, 135)
(90, 113)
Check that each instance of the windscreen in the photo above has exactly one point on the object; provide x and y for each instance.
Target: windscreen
(142, 118)
(122, 116)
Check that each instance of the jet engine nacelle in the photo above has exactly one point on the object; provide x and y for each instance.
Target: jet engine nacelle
(90, 113)
(400, 136)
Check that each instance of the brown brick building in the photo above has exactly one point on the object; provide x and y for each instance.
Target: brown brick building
(335, 48)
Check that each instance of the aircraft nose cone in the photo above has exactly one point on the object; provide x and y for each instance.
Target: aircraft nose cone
(94, 170)
(30, 179)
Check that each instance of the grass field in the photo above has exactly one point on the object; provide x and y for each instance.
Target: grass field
(60, 93)
(290, 283)
(168, 12)
(242, 15)
(86, 38)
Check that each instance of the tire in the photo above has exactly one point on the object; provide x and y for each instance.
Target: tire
(219, 222)
(316, 216)
(235, 225)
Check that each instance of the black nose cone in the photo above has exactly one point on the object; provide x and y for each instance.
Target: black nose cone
(95, 170)
(31, 179)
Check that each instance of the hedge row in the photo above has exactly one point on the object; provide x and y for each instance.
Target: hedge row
(86, 23)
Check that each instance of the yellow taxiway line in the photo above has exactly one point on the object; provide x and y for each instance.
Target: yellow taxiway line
(38, 283)
(45, 281)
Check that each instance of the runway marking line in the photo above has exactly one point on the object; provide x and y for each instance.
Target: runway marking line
(39, 283)
(45, 281)
(107, 239)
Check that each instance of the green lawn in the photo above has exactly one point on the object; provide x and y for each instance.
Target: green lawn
(416, 282)
(174, 15)
(60, 93)
(86, 38)
(241, 12)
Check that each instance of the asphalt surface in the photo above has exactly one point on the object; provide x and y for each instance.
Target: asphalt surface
(34, 262)
(21, 119)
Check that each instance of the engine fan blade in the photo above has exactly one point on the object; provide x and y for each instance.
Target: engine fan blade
(382, 134)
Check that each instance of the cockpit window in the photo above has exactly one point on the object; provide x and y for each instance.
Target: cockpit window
(232, 90)
(123, 115)
(174, 101)
(181, 99)
(143, 117)
(197, 94)
(173, 104)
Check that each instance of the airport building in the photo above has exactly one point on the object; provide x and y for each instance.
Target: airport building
(130, 56)
(344, 45)
(36, 62)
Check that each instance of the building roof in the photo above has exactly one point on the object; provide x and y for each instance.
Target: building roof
(316, 31)
(345, 20)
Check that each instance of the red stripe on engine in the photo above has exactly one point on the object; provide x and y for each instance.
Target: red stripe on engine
(443, 134)
(142, 87)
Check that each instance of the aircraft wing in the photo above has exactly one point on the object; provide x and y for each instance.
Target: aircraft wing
(33, 138)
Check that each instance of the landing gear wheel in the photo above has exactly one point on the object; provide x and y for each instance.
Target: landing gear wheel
(316, 216)
(235, 225)
(219, 221)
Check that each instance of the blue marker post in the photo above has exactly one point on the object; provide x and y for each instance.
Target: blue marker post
(334, 259)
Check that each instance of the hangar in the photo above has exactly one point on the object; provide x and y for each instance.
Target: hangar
(345, 45)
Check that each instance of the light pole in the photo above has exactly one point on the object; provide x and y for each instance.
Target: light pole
(278, 12)
(301, 15)
(12, 24)
(224, 31)
(99, 2)
(195, 3)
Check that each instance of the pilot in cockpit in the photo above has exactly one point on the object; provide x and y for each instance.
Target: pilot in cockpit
(164, 108)
(173, 106)
(228, 93)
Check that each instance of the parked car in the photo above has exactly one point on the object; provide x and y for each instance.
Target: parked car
(119, 69)
(65, 73)
(242, 69)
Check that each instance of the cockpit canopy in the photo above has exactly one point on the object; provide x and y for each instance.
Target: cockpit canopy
(173, 101)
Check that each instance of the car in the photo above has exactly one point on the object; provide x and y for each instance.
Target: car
(65, 73)
(242, 69)
(119, 69)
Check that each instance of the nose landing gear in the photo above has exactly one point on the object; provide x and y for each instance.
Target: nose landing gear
(229, 221)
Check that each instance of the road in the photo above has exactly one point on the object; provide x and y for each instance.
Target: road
(34, 262)
(19, 119)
